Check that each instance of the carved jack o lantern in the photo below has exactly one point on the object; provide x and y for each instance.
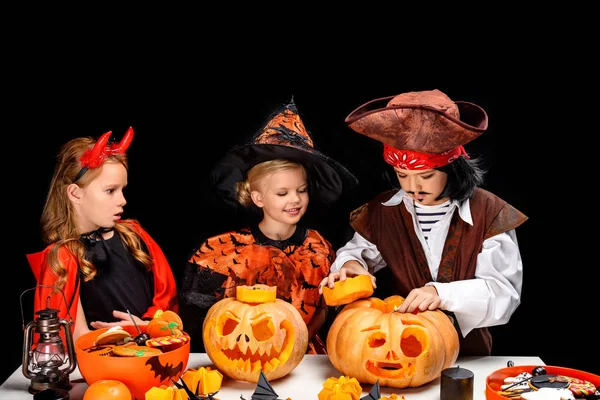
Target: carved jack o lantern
(253, 332)
(370, 341)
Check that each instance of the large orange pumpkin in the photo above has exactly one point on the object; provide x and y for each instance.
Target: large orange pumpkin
(370, 341)
(244, 335)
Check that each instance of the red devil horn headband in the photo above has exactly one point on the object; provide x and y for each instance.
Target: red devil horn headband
(94, 157)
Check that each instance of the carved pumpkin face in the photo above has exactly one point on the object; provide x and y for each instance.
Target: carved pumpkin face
(368, 340)
(242, 338)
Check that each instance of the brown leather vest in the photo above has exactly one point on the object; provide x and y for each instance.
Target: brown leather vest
(384, 225)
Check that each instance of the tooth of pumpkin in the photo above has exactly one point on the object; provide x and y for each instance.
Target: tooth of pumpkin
(242, 365)
(256, 366)
(253, 347)
(267, 348)
(267, 367)
(230, 342)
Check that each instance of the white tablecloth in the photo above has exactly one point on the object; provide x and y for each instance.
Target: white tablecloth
(303, 383)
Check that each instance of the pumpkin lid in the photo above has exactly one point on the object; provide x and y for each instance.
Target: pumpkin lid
(345, 292)
(256, 294)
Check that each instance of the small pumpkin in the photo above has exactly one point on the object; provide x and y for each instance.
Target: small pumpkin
(165, 323)
(342, 388)
(371, 341)
(344, 292)
(107, 389)
(203, 380)
(242, 338)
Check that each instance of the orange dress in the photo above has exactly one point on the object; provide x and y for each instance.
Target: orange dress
(247, 257)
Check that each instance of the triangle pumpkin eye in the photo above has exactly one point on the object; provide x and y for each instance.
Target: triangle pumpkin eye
(377, 339)
(228, 323)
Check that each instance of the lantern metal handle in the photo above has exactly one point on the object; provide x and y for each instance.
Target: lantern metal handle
(48, 287)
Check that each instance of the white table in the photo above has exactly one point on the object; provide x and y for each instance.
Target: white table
(303, 383)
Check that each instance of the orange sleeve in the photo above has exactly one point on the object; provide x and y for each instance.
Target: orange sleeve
(43, 297)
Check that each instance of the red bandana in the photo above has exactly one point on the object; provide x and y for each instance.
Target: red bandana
(406, 159)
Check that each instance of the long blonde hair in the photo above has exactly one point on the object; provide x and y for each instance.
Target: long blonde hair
(57, 220)
(258, 173)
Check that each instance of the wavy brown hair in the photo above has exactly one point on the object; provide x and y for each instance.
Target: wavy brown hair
(57, 221)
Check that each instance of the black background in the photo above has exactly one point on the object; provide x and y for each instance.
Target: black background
(188, 107)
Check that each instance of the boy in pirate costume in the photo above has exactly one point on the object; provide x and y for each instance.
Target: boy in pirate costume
(276, 174)
(440, 241)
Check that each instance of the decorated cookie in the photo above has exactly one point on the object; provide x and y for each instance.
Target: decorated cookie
(547, 393)
(167, 340)
(133, 350)
(549, 381)
(520, 381)
(102, 350)
(513, 393)
(114, 335)
(580, 387)
(515, 386)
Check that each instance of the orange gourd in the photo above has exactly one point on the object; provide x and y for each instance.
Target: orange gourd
(242, 338)
(203, 380)
(370, 341)
(165, 323)
(107, 389)
(344, 292)
(342, 388)
(164, 392)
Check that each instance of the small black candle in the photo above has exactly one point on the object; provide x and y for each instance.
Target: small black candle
(456, 384)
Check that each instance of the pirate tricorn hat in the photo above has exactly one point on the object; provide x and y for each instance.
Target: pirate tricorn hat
(284, 136)
(425, 122)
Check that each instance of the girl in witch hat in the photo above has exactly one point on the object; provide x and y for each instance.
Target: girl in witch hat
(276, 173)
(440, 241)
(104, 265)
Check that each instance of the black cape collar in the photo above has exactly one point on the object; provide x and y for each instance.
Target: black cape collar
(297, 238)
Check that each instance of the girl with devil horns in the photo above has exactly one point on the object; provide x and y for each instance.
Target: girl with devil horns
(107, 267)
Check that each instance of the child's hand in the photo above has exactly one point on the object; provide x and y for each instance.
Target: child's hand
(124, 319)
(350, 268)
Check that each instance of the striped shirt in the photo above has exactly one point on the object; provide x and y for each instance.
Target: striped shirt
(429, 215)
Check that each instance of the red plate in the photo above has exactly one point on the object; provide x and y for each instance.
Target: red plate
(496, 378)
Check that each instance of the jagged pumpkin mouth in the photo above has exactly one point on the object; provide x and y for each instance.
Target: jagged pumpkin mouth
(236, 354)
(263, 357)
(391, 370)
